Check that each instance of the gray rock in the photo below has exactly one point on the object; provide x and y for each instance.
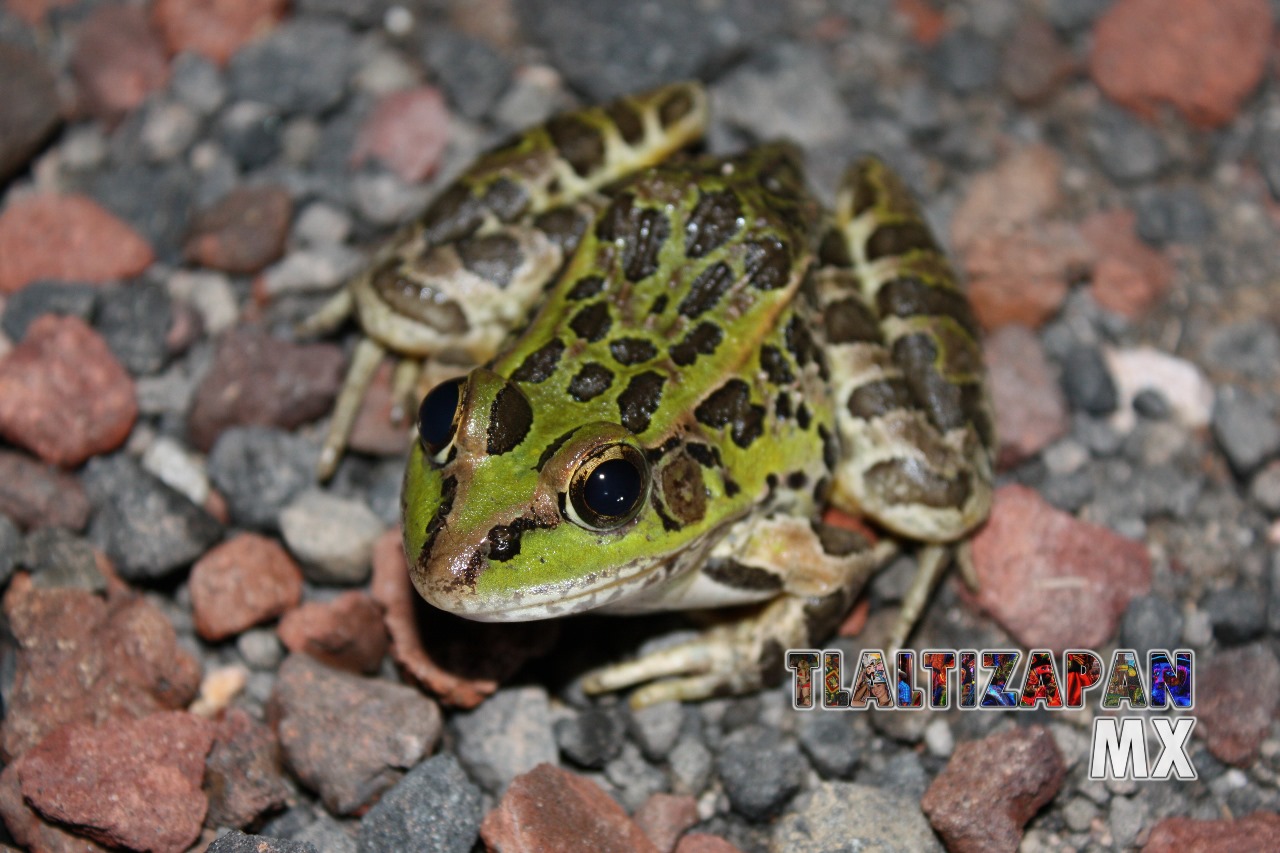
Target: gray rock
(472, 73)
(635, 779)
(1150, 622)
(839, 816)
(168, 129)
(301, 67)
(147, 528)
(760, 771)
(364, 13)
(590, 738)
(1126, 820)
(787, 91)
(902, 775)
(965, 62)
(260, 648)
(1069, 492)
(1079, 814)
(435, 809)
(11, 548)
(655, 728)
(327, 834)
(134, 320)
(1087, 382)
(332, 536)
(608, 49)
(29, 110)
(47, 297)
(259, 471)
(1127, 149)
(1075, 14)
(1250, 347)
(1238, 614)
(59, 559)
(251, 133)
(832, 742)
(1245, 429)
(1173, 215)
(509, 734)
(197, 82)
(1273, 599)
(156, 199)
(236, 841)
(690, 763)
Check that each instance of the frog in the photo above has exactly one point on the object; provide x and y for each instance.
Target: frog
(673, 367)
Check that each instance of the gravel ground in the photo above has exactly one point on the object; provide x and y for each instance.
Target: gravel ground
(198, 630)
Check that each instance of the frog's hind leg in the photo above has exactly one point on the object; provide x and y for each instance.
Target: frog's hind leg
(364, 362)
(906, 365)
(818, 572)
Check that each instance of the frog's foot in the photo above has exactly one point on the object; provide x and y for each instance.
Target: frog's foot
(364, 362)
(932, 561)
(728, 659)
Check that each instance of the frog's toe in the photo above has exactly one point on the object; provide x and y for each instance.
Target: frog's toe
(711, 665)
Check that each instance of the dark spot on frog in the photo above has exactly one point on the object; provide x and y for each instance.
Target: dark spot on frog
(973, 402)
(768, 264)
(630, 351)
(639, 400)
(642, 230)
(683, 490)
(775, 365)
(579, 143)
(510, 417)
(478, 563)
(552, 448)
(541, 363)
(493, 257)
(830, 448)
(563, 226)
(849, 321)
(797, 480)
(707, 457)
(411, 298)
(881, 397)
(730, 405)
(677, 105)
(731, 486)
(820, 490)
(504, 539)
(899, 238)
(821, 616)
(706, 290)
(585, 288)
(659, 305)
(906, 481)
(839, 541)
(592, 322)
(908, 296)
(865, 192)
(701, 340)
(737, 575)
(448, 491)
(800, 342)
(782, 406)
(627, 120)
(834, 250)
(507, 199)
(455, 214)
(716, 217)
(803, 418)
(917, 355)
(590, 382)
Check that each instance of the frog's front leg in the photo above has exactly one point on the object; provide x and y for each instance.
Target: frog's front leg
(814, 572)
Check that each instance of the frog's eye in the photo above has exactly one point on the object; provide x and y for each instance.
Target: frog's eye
(438, 415)
(608, 488)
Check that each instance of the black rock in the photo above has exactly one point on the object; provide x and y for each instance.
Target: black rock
(1273, 596)
(236, 841)
(1245, 429)
(1087, 382)
(1127, 149)
(833, 744)
(28, 107)
(903, 775)
(1250, 347)
(363, 13)
(1150, 622)
(965, 62)
(154, 199)
(1176, 215)
(1070, 15)
(591, 739)
(259, 471)
(251, 133)
(1068, 492)
(47, 297)
(1152, 405)
(147, 528)
(607, 49)
(1238, 615)
(760, 771)
(10, 548)
(59, 559)
(197, 82)
(472, 73)
(135, 320)
(435, 807)
(301, 67)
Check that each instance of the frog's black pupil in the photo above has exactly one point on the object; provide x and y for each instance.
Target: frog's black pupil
(435, 415)
(613, 488)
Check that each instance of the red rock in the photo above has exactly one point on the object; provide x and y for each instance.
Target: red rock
(552, 809)
(257, 380)
(243, 232)
(459, 661)
(29, 829)
(35, 495)
(152, 768)
(1258, 831)
(243, 582)
(1051, 580)
(1129, 276)
(1036, 63)
(665, 817)
(117, 61)
(928, 24)
(346, 633)
(407, 132)
(1202, 56)
(374, 432)
(1021, 278)
(1022, 189)
(1031, 412)
(29, 109)
(1235, 713)
(242, 776)
(63, 395)
(69, 238)
(214, 28)
(703, 842)
(82, 659)
(346, 737)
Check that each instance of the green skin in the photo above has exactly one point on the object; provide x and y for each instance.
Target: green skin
(762, 358)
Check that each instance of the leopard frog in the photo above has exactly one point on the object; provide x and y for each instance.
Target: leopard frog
(677, 362)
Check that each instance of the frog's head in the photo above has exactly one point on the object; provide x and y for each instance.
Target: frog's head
(508, 520)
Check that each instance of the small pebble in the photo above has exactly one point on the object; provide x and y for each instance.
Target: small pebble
(260, 648)
(760, 771)
(434, 807)
(506, 736)
(1087, 383)
(332, 536)
(1246, 430)
(1237, 613)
